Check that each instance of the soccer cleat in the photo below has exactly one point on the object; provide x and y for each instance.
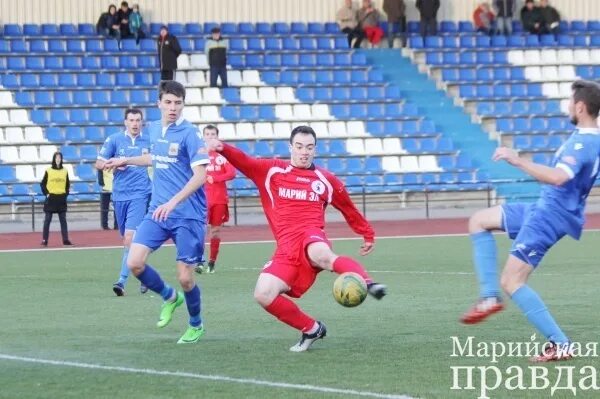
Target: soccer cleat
(199, 268)
(166, 313)
(307, 339)
(67, 243)
(554, 353)
(143, 289)
(119, 289)
(211, 266)
(484, 308)
(44, 243)
(191, 335)
(377, 290)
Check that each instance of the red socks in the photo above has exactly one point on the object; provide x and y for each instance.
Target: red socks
(344, 264)
(214, 248)
(289, 313)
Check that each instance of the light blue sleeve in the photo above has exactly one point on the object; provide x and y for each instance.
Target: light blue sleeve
(196, 150)
(109, 149)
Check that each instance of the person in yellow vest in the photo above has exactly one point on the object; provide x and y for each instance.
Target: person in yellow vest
(55, 186)
(105, 180)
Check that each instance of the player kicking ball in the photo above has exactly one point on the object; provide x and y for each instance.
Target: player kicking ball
(294, 195)
(535, 228)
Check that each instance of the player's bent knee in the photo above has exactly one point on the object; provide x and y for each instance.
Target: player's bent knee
(215, 231)
(321, 256)
(485, 219)
(185, 276)
(264, 297)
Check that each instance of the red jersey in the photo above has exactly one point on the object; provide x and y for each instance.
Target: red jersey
(295, 199)
(221, 171)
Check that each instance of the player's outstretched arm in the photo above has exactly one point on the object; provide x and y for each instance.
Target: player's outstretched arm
(251, 167)
(229, 174)
(341, 201)
(141, 160)
(556, 176)
(196, 181)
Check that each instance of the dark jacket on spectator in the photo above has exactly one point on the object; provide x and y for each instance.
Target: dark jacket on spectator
(531, 17)
(125, 32)
(428, 8)
(549, 15)
(395, 9)
(168, 51)
(505, 8)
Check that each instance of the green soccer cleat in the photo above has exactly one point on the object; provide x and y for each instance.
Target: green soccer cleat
(191, 335)
(166, 313)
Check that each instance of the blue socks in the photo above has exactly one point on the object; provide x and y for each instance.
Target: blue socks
(124, 269)
(534, 308)
(484, 257)
(192, 300)
(151, 279)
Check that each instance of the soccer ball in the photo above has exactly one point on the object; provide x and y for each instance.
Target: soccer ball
(349, 289)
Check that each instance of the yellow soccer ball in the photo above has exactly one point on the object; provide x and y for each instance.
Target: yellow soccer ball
(349, 289)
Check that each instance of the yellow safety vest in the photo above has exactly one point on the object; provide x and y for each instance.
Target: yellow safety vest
(57, 181)
(107, 175)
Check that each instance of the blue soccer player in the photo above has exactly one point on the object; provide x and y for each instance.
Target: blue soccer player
(536, 227)
(131, 185)
(177, 208)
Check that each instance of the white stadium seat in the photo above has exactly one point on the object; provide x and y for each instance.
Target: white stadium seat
(14, 135)
(9, 154)
(302, 111)
(252, 78)
(25, 173)
(567, 72)
(212, 95)
(47, 152)
(356, 128)
(392, 145)
(409, 163)
(34, 134)
(565, 89)
(533, 73)
(321, 111)
(4, 120)
(286, 95)
(549, 57)
(320, 129)
(550, 90)
(226, 131)
(581, 56)
(6, 99)
(249, 95)
(373, 147)
(210, 113)
(183, 62)
(181, 77)
(29, 153)
(565, 56)
(428, 163)
(244, 131)
(40, 170)
(337, 129)
(282, 129)
(532, 57)
(516, 57)
(192, 114)
(2, 139)
(267, 95)
(284, 112)
(355, 146)
(234, 78)
(264, 130)
(198, 61)
(550, 73)
(19, 117)
(70, 172)
(193, 96)
(196, 78)
(391, 164)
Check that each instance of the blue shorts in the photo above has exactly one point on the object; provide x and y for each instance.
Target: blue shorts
(533, 230)
(130, 213)
(188, 235)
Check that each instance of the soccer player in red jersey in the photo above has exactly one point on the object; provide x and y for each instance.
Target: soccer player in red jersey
(294, 195)
(219, 171)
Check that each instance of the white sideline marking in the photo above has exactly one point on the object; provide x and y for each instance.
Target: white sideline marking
(231, 243)
(246, 381)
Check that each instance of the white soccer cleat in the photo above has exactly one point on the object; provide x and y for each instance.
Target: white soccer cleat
(307, 339)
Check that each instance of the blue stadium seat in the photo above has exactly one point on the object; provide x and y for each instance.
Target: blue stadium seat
(88, 152)
(4, 46)
(146, 62)
(50, 30)
(316, 28)
(24, 98)
(248, 112)
(262, 149)
(16, 63)
(255, 44)
(483, 73)
(91, 62)
(290, 43)
(125, 79)
(246, 28)
(111, 46)
(193, 29)
(468, 58)
(38, 46)
(86, 79)
(237, 44)
(539, 142)
(516, 41)
(483, 41)
(517, 73)
(128, 62)
(150, 45)
(130, 45)
(448, 26)
(485, 57)
(433, 42)
(324, 43)
(281, 28)
(287, 77)
(43, 97)
(119, 97)
(532, 41)
(354, 166)
(115, 115)
(12, 30)
(499, 41)
(541, 158)
(580, 41)
(465, 26)
(36, 63)
(486, 91)
(446, 162)
(93, 133)
(450, 58)
(71, 62)
(416, 42)
(74, 134)
(306, 76)
(289, 59)
(254, 60)
(467, 91)
(266, 112)
(502, 108)
(428, 145)
(81, 97)
(176, 29)
(138, 96)
(31, 30)
(67, 80)
(59, 116)
(31, 80)
(11, 81)
(520, 124)
(18, 46)
(97, 115)
(63, 98)
(229, 112)
(434, 58)
(305, 94)
(450, 42)
(75, 46)
(264, 28)
(272, 43)
(7, 174)
(39, 116)
(554, 142)
(85, 172)
(467, 41)
(578, 26)
(86, 29)
(308, 43)
(340, 43)
(229, 28)
(57, 46)
(548, 40)
(566, 41)
(555, 124)
(308, 60)
(518, 90)
(70, 153)
(501, 90)
(109, 62)
(593, 26)
(51, 62)
(538, 124)
(410, 145)
(297, 28)
(94, 46)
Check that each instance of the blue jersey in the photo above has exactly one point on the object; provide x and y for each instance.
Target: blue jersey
(132, 182)
(579, 158)
(175, 151)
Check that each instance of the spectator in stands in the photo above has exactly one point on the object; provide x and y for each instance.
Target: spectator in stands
(105, 181)
(123, 14)
(550, 18)
(396, 13)
(531, 18)
(108, 24)
(135, 23)
(55, 186)
(505, 10)
(483, 18)
(168, 51)
(428, 10)
(368, 21)
(216, 54)
(347, 17)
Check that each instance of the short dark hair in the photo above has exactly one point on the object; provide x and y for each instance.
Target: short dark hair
(171, 87)
(216, 29)
(211, 127)
(134, 111)
(303, 130)
(588, 92)
(124, 4)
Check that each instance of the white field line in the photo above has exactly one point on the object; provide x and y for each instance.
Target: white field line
(209, 377)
